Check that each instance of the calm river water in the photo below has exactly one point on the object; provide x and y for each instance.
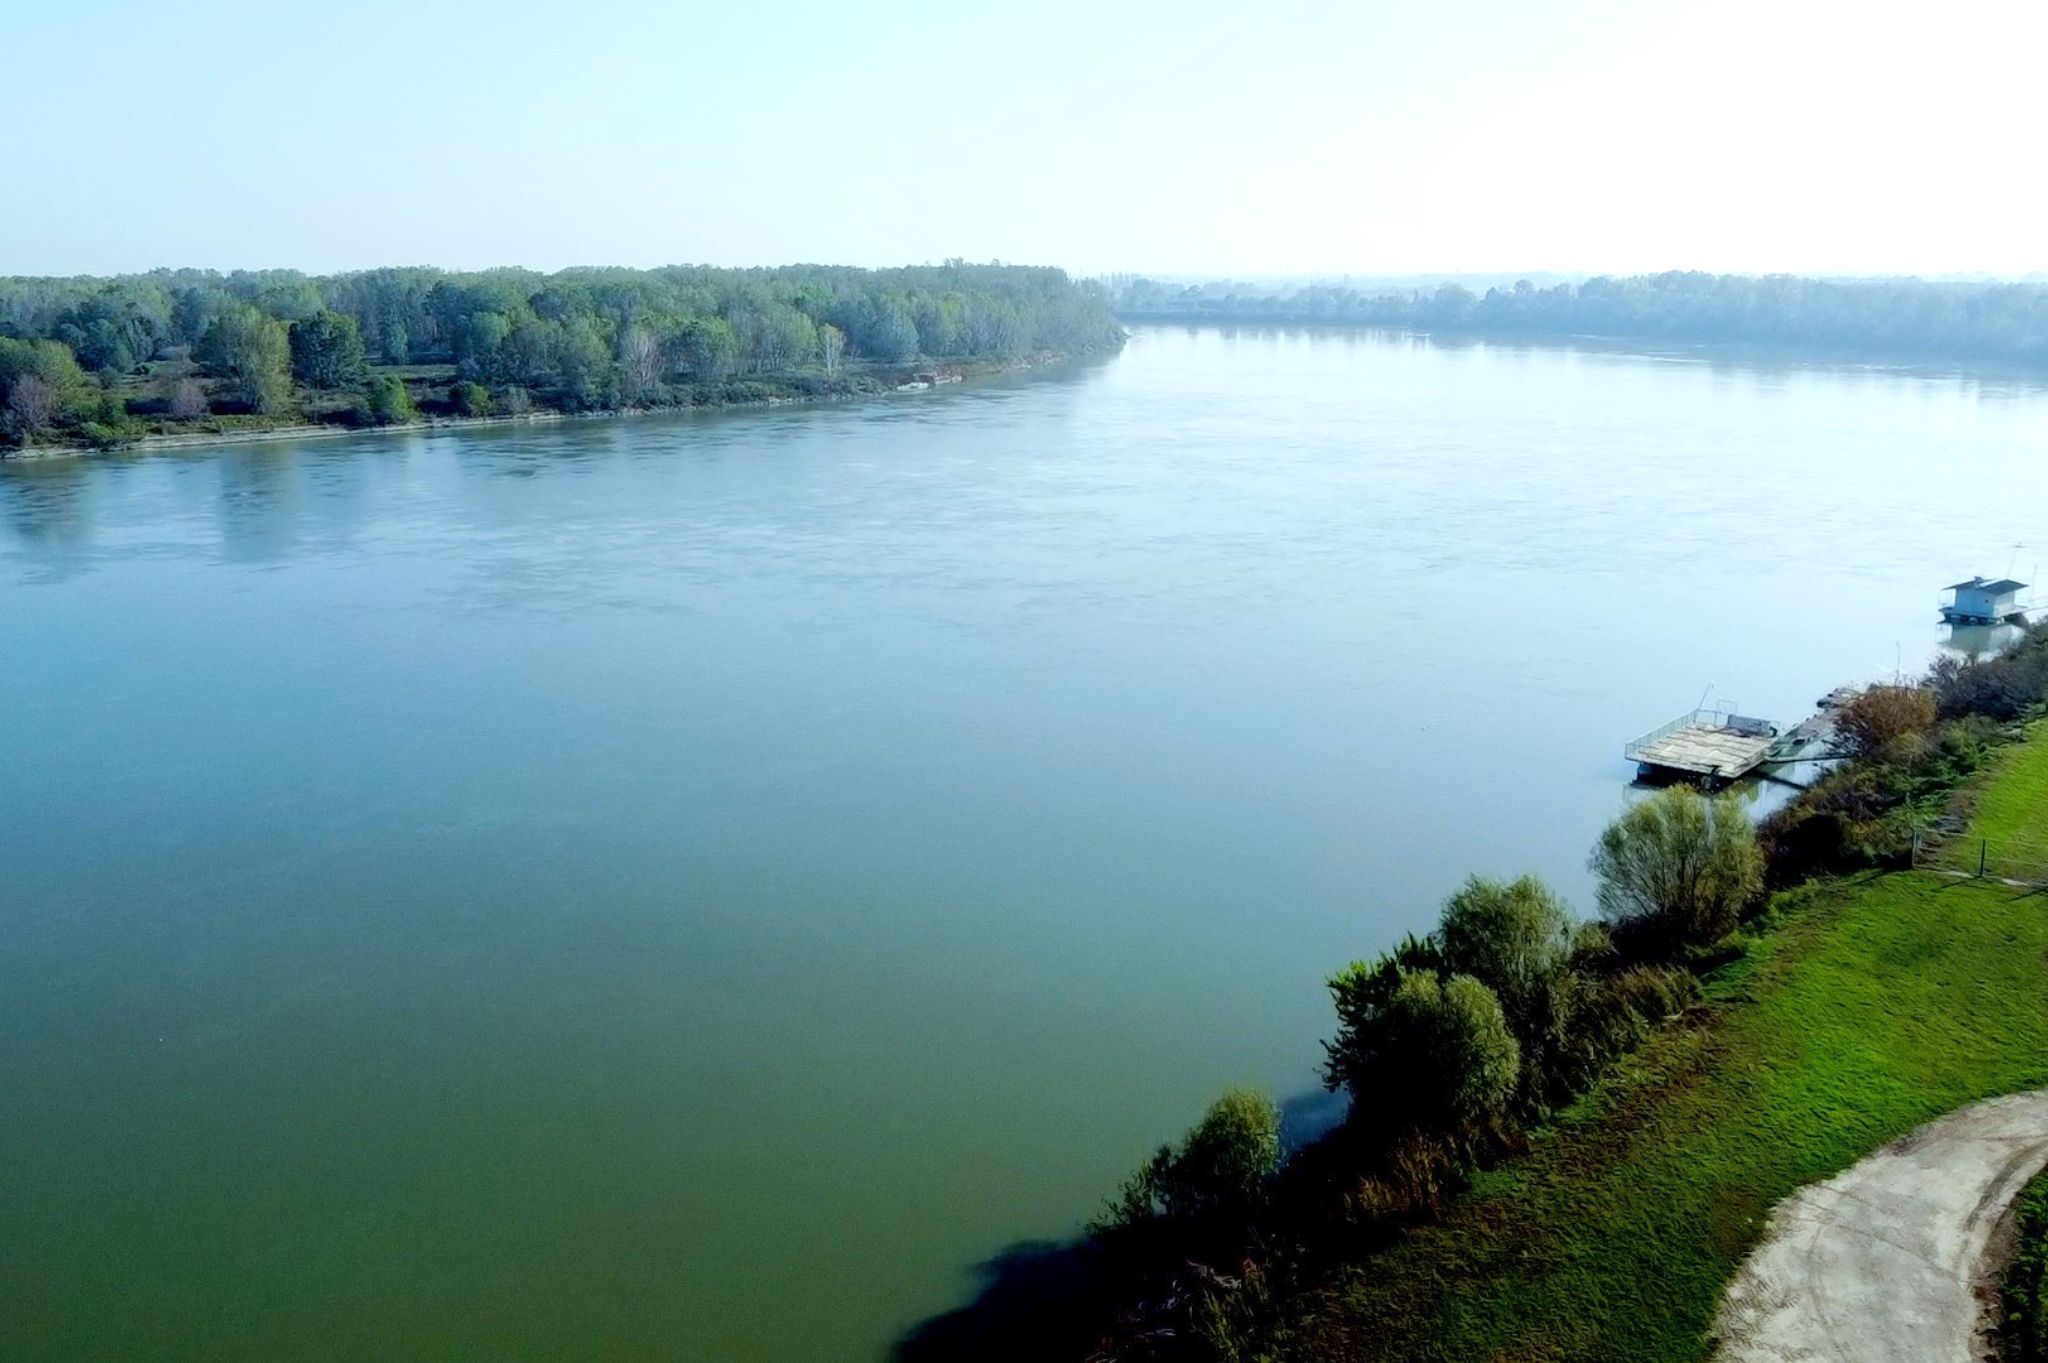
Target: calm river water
(691, 889)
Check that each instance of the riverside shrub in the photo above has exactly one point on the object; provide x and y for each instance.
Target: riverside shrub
(470, 398)
(1431, 1054)
(385, 402)
(2003, 688)
(1676, 871)
(1204, 1197)
(1882, 717)
(1515, 937)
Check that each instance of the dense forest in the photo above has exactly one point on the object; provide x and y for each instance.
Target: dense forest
(100, 360)
(1907, 317)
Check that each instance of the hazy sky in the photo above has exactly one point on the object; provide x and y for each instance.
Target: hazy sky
(1229, 137)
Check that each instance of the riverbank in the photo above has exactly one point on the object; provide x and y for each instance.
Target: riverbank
(739, 396)
(1880, 1003)
(1576, 1176)
(1858, 1009)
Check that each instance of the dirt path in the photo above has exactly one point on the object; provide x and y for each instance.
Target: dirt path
(1883, 1263)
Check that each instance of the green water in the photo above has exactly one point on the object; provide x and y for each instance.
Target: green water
(692, 889)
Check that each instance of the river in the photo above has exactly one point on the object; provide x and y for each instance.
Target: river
(693, 888)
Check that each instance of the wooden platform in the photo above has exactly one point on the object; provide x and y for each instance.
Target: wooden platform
(1706, 745)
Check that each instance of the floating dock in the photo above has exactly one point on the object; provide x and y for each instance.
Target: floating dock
(1797, 743)
(1706, 745)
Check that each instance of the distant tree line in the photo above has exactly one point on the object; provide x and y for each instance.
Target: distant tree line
(1893, 316)
(86, 357)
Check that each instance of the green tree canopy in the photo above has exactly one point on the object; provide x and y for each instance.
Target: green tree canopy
(470, 398)
(248, 352)
(327, 351)
(386, 401)
(1429, 1054)
(1221, 1168)
(707, 347)
(479, 339)
(1677, 869)
(49, 361)
(1515, 936)
(890, 334)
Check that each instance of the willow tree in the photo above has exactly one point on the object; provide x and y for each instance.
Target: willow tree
(1677, 870)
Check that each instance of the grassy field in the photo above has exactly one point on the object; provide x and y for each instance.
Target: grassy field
(1876, 1004)
(2011, 813)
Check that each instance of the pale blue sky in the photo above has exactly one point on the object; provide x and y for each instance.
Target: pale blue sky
(1277, 137)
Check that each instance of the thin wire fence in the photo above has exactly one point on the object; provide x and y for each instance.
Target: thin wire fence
(1978, 858)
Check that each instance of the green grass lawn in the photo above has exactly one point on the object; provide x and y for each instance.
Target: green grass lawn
(2011, 813)
(1878, 1003)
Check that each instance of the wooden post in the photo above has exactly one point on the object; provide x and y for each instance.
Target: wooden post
(1983, 849)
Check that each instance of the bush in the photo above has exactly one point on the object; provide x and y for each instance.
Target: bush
(470, 398)
(1866, 813)
(2003, 688)
(1677, 870)
(1413, 1178)
(1430, 1055)
(1515, 937)
(513, 400)
(1205, 1196)
(187, 400)
(1880, 718)
(101, 436)
(1362, 992)
(1612, 1016)
(385, 402)
(1803, 840)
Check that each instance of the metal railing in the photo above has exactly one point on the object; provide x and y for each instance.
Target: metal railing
(1706, 717)
(1633, 749)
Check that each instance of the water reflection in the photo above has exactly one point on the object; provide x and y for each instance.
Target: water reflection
(1760, 793)
(48, 507)
(1980, 641)
(1968, 381)
(259, 503)
(46, 501)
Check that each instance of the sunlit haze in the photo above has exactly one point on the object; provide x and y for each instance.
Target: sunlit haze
(1285, 138)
